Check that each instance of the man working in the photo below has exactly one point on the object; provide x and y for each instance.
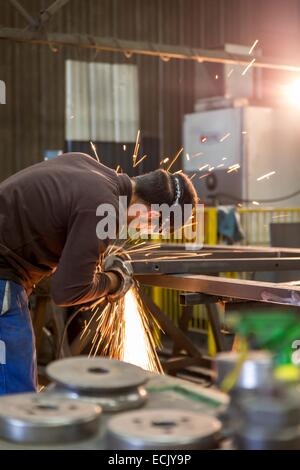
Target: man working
(48, 226)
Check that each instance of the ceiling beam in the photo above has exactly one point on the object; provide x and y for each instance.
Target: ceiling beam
(32, 22)
(164, 51)
(47, 14)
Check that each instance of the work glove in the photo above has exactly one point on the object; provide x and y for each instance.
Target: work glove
(120, 265)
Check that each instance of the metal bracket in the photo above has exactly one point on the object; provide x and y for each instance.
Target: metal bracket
(187, 298)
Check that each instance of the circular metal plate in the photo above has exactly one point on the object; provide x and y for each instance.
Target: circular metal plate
(162, 429)
(96, 374)
(40, 418)
(109, 402)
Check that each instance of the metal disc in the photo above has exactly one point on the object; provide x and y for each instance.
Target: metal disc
(96, 374)
(41, 418)
(162, 429)
(109, 401)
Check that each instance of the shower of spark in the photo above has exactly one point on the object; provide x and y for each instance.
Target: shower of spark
(138, 347)
(124, 329)
(124, 332)
(95, 151)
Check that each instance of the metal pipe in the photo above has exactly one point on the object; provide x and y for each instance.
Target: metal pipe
(141, 48)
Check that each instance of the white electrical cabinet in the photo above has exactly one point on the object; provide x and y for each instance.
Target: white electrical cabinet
(234, 148)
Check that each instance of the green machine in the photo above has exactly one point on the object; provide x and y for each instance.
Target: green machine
(272, 328)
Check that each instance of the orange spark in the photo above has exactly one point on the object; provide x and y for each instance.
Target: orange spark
(266, 176)
(248, 67)
(225, 137)
(95, 151)
(197, 154)
(235, 167)
(136, 147)
(175, 158)
(253, 46)
(140, 161)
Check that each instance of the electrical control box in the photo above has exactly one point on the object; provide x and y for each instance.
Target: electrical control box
(244, 154)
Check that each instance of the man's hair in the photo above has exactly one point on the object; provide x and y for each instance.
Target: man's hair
(161, 187)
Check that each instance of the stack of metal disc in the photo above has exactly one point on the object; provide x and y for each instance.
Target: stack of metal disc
(43, 419)
(162, 429)
(112, 384)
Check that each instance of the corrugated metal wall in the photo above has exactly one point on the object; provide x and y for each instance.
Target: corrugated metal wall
(34, 117)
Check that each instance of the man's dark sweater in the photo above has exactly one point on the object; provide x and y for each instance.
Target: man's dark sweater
(48, 225)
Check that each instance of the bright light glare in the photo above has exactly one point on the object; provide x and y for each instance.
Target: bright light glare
(292, 93)
(136, 346)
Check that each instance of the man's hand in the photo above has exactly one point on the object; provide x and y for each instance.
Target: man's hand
(119, 271)
(115, 282)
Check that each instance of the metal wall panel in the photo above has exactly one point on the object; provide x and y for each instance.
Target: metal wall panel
(34, 117)
(101, 102)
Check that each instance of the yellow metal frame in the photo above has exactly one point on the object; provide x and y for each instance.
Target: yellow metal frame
(255, 222)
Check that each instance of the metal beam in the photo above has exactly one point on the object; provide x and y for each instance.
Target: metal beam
(32, 22)
(47, 14)
(255, 250)
(203, 265)
(163, 51)
(282, 294)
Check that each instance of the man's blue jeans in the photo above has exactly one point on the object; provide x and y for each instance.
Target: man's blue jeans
(18, 372)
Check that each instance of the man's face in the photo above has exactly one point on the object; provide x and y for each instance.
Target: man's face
(141, 219)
